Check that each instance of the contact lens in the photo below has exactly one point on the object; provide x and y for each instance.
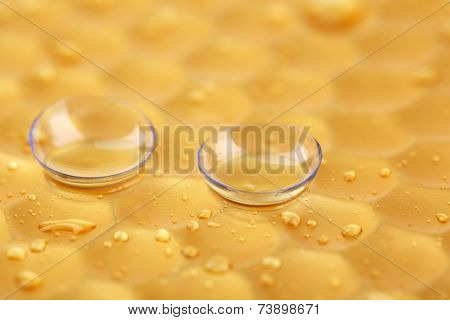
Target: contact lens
(91, 141)
(270, 166)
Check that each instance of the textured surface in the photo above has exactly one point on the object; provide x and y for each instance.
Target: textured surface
(388, 120)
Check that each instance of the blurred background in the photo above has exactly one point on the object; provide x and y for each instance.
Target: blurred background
(371, 78)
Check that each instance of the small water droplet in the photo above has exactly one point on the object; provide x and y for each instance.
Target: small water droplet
(435, 159)
(28, 279)
(218, 264)
(334, 15)
(385, 172)
(272, 263)
(32, 197)
(118, 275)
(323, 240)
(16, 253)
(157, 173)
(192, 225)
(120, 236)
(375, 273)
(107, 244)
(168, 251)
(204, 214)
(76, 226)
(38, 245)
(162, 235)
(335, 282)
(350, 176)
(311, 223)
(351, 230)
(42, 75)
(267, 280)
(424, 76)
(185, 197)
(196, 96)
(209, 284)
(213, 224)
(442, 217)
(13, 166)
(290, 218)
(190, 252)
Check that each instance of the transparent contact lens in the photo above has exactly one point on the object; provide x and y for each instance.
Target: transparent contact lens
(91, 141)
(260, 166)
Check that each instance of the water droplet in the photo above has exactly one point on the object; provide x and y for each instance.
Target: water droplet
(334, 15)
(38, 245)
(435, 159)
(209, 284)
(272, 263)
(192, 225)
(385, 172)
(279, 14)
(65, 54)
(28, 279)
(375, 273)
(311, 223)
(323, 240)
(13, 166)
(157, 174)
(351, 230)
(75, 226)
(350, 176)
(120, 236)
(107, 244)
(196, 96)
(16, 253)
(190, 252)
(442, 217)
(162, 235)
(218, 264)
(424, 76)
(32, 197)
(213, 224)
(204, 214)
(267, 280)
(290, 218)
(168, 251)
(43, 74)
(335, 282)
(185, 197)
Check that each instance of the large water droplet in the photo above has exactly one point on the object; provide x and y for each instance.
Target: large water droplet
(290, 218)
(76, 226)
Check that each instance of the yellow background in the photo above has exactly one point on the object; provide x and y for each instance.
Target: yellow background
(211, 61)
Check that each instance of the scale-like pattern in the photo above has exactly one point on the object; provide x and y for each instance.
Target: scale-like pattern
(386, 121)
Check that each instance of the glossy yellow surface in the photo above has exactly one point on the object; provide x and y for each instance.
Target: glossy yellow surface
(384, 127)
